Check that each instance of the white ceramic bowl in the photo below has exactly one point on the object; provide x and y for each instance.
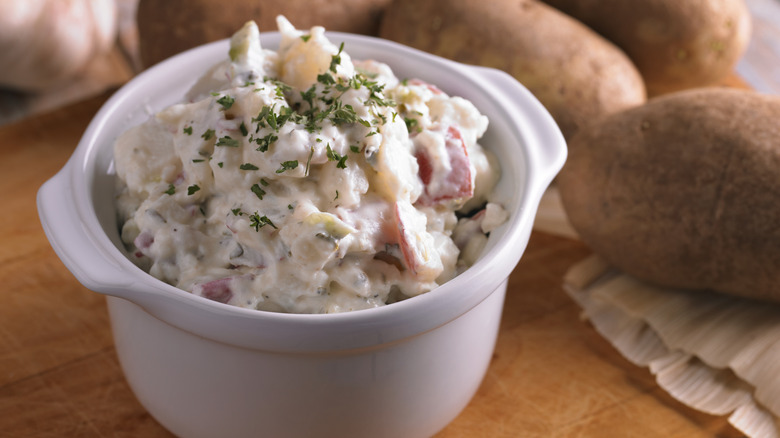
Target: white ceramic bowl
(205, 369)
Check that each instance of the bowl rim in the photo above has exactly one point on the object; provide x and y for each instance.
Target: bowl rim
(461, 293)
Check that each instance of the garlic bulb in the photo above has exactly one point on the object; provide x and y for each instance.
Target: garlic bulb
(43, 43)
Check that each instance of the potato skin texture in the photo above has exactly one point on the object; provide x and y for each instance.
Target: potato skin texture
(167, 27)
(577, 75)
(675, 44)
(683, 191)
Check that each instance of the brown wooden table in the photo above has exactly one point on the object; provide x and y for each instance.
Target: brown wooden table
(552, 375)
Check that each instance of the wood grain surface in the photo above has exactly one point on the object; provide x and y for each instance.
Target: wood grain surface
(552, 375)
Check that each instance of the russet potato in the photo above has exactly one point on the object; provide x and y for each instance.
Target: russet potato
(167, 27)
(683, 191)
(578, 75)
(675, 44)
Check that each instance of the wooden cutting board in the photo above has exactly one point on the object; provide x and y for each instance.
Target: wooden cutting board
(552, 375)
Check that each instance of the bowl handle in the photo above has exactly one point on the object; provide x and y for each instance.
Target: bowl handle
(69, 237)
(548, 146)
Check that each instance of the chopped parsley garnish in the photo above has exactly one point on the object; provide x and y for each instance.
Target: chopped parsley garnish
(354, 149)
(309, 95)
(237, 211)
(188, 130)
(265, 142)
(208, 134)
(411, 124)
(326, 79)
(264, 182)
(260, 119)
(305, 38)
(343, 114)
(258, 191)
(256, 221)
(220, 164)
(281, 87)
(308, 160)
(267, 117)
(248, 166)
(375, 97)
(333, 156)
(171, 189)
(242, 128)
(226, 102)
(335, 60)
(227, 141)
(198, 160)
(192, 189)
(287, 165)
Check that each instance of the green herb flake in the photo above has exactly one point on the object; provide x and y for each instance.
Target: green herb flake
(171, 189)
(192, 189)
(281, 87)
(411, 124)
(208, 134)
(237, 212)
(343, 114)
(305, 38)
(248, 166)
(354, 149)
(333, 156)
(325, 79)
(226, 102)
(256, 221)
(335, 60)
(242, 128)
(287, 165)
(261, 116)
(258, 191)
(309, 95)
(264, 182)
(188, 130)
(308, 160)
(265, 142)
(198, 160)
(220, 164)
(227, 141)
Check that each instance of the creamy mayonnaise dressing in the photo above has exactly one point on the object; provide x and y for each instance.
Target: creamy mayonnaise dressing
(300, 180)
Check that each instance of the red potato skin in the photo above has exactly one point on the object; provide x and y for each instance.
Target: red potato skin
(683, 192)
(460, 184)
(675, 44)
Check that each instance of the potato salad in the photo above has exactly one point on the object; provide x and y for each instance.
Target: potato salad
(301, 180)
